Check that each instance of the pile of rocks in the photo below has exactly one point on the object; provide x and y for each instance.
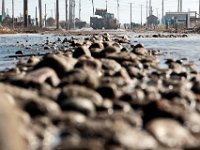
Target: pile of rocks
(100, 93)
(163, 36)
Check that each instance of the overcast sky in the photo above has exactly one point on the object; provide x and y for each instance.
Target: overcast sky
(170, 5)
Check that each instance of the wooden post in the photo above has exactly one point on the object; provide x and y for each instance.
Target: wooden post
(13, 18)
(40, 12)
(66, 9)
(57, 14)
(131, 14)
(141, 15)
(45, 17)
(25, 13)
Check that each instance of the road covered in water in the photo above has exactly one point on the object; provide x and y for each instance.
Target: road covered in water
(102, 92)
(175, 48)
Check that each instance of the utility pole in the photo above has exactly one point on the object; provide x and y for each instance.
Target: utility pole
(3, 9)
(150, 8)
(93, 6)
(13, 18)
(199, 8)
(118, 10)
(106, 5)
(74, 5)
(40, 12)
(178, 6)
(36, 17)
(141, 15)
(57, 14)
(66, 15)
(79, 9)
(181, 5)
(45, 16)
(25, 13)
(163, 11)
(147, 11)
(131, 14)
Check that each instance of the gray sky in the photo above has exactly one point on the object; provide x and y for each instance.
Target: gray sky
(170, 5)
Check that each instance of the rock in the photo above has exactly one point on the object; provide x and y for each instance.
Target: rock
(130, 137)
(10, 125)
(44, 75)
(96, 49)
(122, 56)
(86, 77)
(18, 53)
(108, 91)
(47, 47)
(81, 51)
(41, 108)
(171, 134)
(89, 63)
(33, 60)
(58, 63)
(78, 104)
(80, 91)
(98, 45)
(70, 117)
(110, 67)
(109, 50)
(139, 49)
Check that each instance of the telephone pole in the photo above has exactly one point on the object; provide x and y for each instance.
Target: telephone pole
(45, 16)
(3, 9)
(106, 5)
(178, 6)
(118, 10)
(181, 5)
(66, 9)
(36, 17)
(79, 9)
(147, 11)
(25, 13)
(199, 8)
(13, 19)
(131, 14)
(150, 8)
(40, 12)
(57, 14)
(163, 11)
(141, 15)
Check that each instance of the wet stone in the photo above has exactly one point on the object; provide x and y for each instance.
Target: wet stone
(110, 66)
(78, 104)
(109, 50)
(122, 56)
(41, 108)
(85, 77)
(58, 63)
(108, 91)
(10, 125)
(139, 49)
(89, 63)
(171, 134)
(44, 75)
(81, 51)
(80, 91)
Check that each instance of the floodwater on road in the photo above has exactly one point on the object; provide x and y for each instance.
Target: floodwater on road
(175, 48)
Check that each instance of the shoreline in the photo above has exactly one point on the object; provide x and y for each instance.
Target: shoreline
(103, 93)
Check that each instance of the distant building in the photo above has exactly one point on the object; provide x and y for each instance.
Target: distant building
(80, 24)
(152, 21)
(181, 19)
(103, 19)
